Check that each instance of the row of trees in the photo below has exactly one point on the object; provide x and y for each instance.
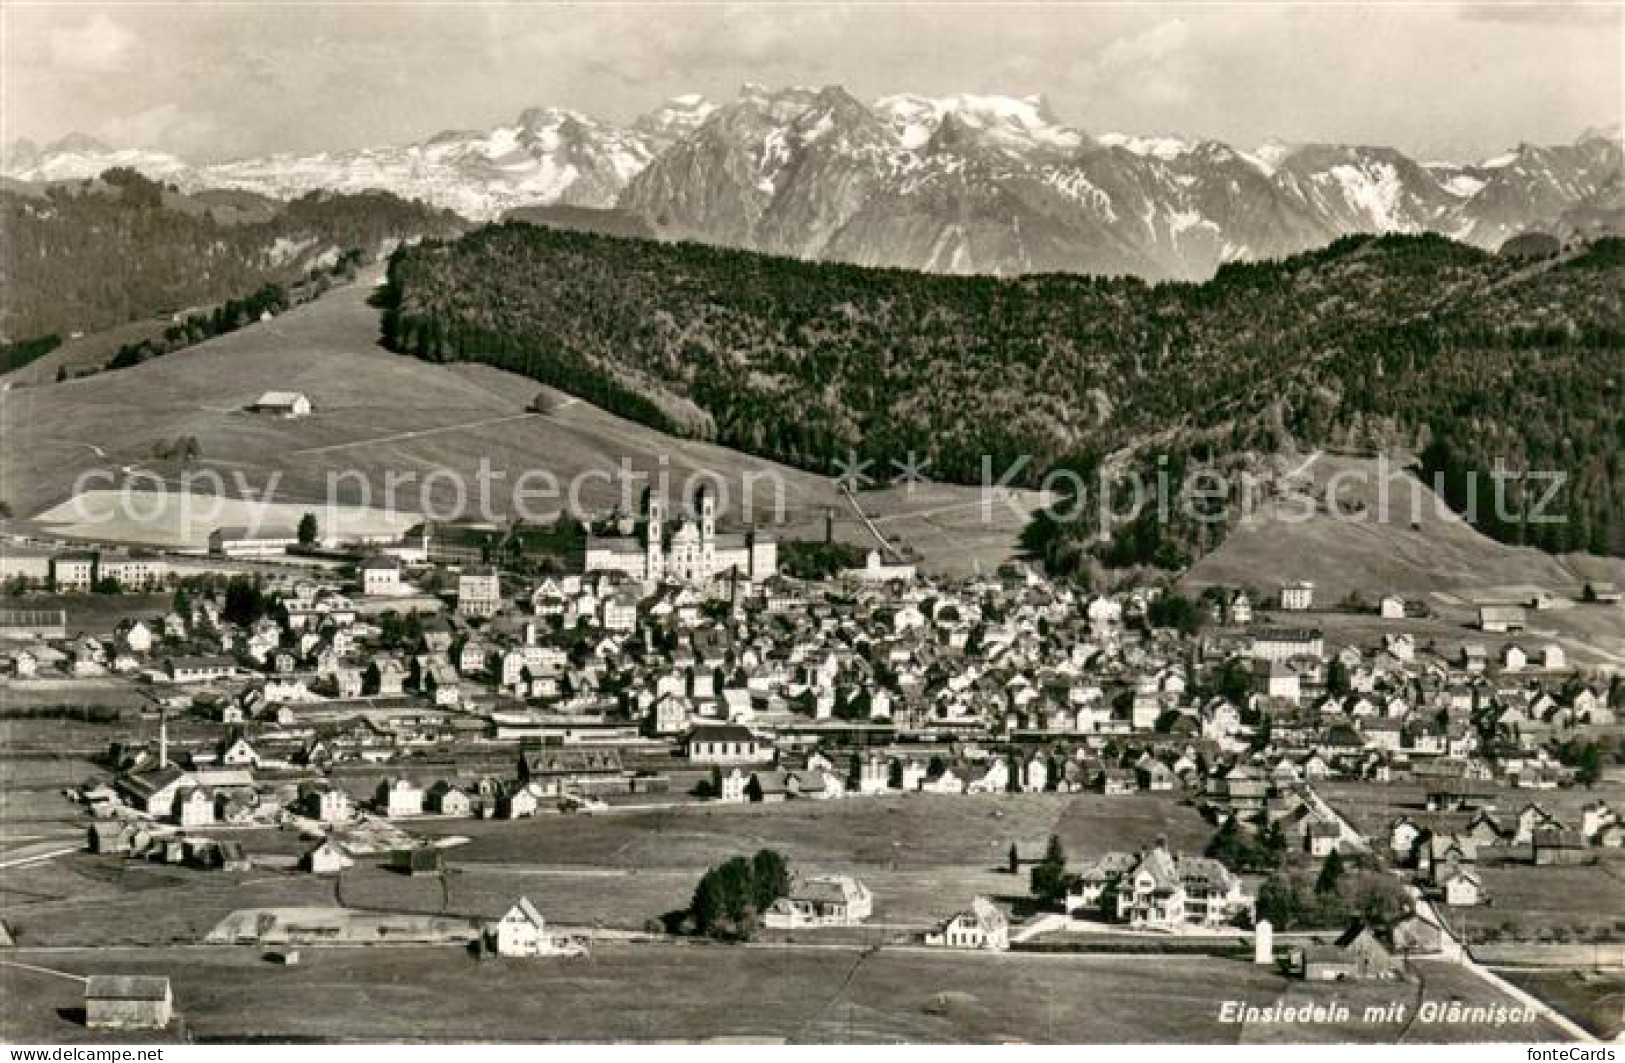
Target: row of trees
(1341, 891)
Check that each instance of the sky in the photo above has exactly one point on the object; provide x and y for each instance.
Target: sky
(226, 78)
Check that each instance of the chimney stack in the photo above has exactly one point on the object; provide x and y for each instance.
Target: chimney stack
(163, 739)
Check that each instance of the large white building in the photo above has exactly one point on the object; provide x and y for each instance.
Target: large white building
(381, 576)
(251, 542)
(692, 552)
(479, 591)
(821, 900)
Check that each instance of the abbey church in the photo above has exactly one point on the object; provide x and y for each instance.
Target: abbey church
(692, 552)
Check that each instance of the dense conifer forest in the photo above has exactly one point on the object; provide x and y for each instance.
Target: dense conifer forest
(1464, 361)
(86, 255)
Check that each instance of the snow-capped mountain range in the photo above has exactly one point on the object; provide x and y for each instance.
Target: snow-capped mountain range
(962, 183)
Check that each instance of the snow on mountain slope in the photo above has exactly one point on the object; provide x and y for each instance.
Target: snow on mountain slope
(76, 157)
(961, 182)
(548, 156)
(1015, 124)
(1164, 148)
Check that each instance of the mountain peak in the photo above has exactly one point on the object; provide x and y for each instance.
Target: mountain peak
(1013, 123)
(1165, 148)
(675, 118)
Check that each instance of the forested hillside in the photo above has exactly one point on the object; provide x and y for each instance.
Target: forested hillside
(1415, 344)
(87, 255)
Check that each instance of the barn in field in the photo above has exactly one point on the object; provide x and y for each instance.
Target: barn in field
(127, 1002)
(283, 404)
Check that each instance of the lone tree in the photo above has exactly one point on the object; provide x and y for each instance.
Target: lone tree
(1049, 874)
(1015, 860)
(307, 529)
(1331, 873)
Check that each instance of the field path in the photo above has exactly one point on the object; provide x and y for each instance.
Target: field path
(44, 970)
(398, 437)
(868, 523)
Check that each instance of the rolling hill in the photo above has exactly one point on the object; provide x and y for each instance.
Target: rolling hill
(1475, 362)
(84, 256)
(379, 415)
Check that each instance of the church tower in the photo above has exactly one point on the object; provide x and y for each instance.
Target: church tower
(708, 533)
(654, 537)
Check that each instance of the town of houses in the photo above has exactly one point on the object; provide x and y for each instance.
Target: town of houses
(426, 678)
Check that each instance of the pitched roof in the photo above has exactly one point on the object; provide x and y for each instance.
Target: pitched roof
(278, 398)
(126, 987)
(528, 910)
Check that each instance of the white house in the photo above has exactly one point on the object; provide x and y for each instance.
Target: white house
(1463, 888)
(328, 858)
(982, 926)
(283, 404)
(1298, 596)
(138, 637)
(521, 932)
(194, 807)
(732, 787)
(381, 576)
(400, 797)
(821, 900)
(199, 669)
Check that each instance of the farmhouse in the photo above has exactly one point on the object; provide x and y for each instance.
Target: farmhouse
(251, 542)
(1557, 845)
(1500, 619)
(154, 792)
(1357, 955)
(127, 1002)
(283, 404)
(521, 932)
(328, 858)
(982, 926)
(1463, 888)
(821, 900)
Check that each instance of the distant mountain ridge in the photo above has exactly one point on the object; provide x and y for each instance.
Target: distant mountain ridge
(962, 183)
